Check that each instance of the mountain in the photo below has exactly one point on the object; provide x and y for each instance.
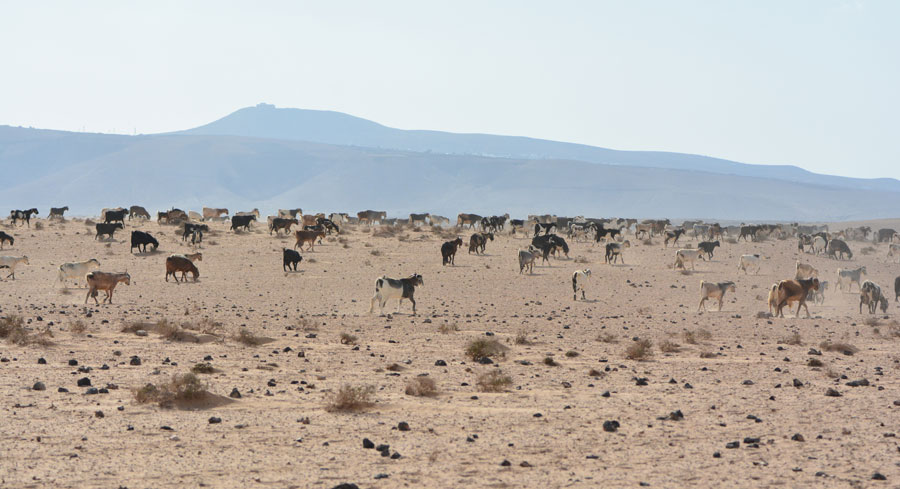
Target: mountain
(87, 172)
(267, 121)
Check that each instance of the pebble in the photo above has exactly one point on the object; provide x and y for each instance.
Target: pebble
(440, 363)
(381, 476)
(611, 426)
(878, 476)
(84, 382)
(62, 389)
(367, 443)
(39, 386)
(798, 437)
(141, 332)
(215, 420)
(832, 393)
(733, 444)
(505, 463)
(73, 362)
(858, 383)
(235, 394)
(99, 414)
(797, 383)
(135, 360)
(403, 426)
(346, 485)
(41, 361)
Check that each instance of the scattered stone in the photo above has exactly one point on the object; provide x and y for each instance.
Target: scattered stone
(41, 361)
(733, 444)
(73, 362)
(235, 394)
(141, 332)
(611, 426)
(403, 426)
(367, 443)
(605, 394)
(797, 383)
(135, 360)
(505, 463)
(383, 448)
(395, 456)
(747, 382)
(525, 464)
(750, 440)
(99, 414)
(62, 389)
(39, 386)
(878, 476)
(440, 363)
(832, 393)
(858, 383)
(215, 420)
(813, 351)
(346, 485)
(84, 382)
(798, 437)
(641, 381)
(381, 476)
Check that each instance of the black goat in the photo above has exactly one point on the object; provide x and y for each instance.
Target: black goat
(107, 229)
(140, 238)
(290, 257)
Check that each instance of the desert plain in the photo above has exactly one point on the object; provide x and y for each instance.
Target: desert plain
(288, 343)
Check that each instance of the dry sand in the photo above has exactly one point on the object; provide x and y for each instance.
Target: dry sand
(548, 424)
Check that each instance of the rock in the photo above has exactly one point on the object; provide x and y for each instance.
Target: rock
(62, 389)
(73, 362)
(395, 456)
(749, 440)
(235, 394)
(92, 391)
(403, 426)
(99, 414)
(41, 361)
(135, 360)
(381, 476)
(611, 426)
(717, 454)
(485, 361)
(39, 386)
(383, 448)
(367, 443)
(440, 363)
(676, 415)
(877, 476)
(505, 463)
(346, 485)
(813, 351)
(141, 332)
(733, 444)
(747, 382)
(166, 428)
(641, 381)
(797, 383)
(798, 437)
(215, 420)
(525, 464)
(832, 393)
(271, 383)
(605, 394)
(858, 383)
(84, 382)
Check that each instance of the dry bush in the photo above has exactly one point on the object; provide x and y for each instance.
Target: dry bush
(493, 381)
(387, 231)
(205, 326)
(65, 291)
(447, 328)
(170, 331)
(572, 354)
(581, 259)
(38, 226)
(12, 329)
(203, 368)
(550, 362)
(814, 362)
(639, 350)
(135, 327)
(306, 324)
(845, 348)
(348, 339)
(667, 346)
(245, 337)
(485, 348)
(832, 373)
(343, 240)
(522, 338)
(695, 337)
(395, 367)
(871, 321)
(375, 252)
(77, 327)
(685, 271)
(421, 387)
(707, 354)
(607, 338)
(793, 339)
(181, 388)
(351, 398)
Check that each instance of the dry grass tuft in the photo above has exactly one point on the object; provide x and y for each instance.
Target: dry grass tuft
(814, 362)
(421, 387)
(607, 338)
(550, 362)
(493, 381)
(639, 350)
(522, 338)
(695, 337)
(581, 259)
(485, 348)
(351, 398)
(667, 346)
(203, 368)
(181, 388)
(245, 337)
(448, 328)
(871, 321)
(12, 329)
(572, 354)
(78, 327)
(845, 348)
(595, 373)
(348, 339)
(868, 250)
(707, 354)
(38, 226)
(395, 367)
(793, 339)
(375, 252)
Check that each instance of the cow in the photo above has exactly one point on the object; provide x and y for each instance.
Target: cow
(57, 212)
(310, 237)
(138, 212)
(238, 222)
(849, 277)
(12, 262)
(805, 270)
(683, 256)
(115, 215)
(478, 241)
(603, 232)
(107, 229)
(415, 219)
(870, 295)
(140, 238)
(175, 264)
(516, 225)
(797, 290)
(25, 215)
(280, 223)
(713, 290)
(526, 260)
(708, 247)
(370, 216)
(106, 282)
(448, 251)
(749, 261)
(76, 270)
(614, 251)
(4, 238)
(578, 280)
(213, 213)
(290, 257)
(391, 288)
(839, 247)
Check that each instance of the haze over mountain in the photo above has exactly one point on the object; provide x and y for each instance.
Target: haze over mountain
(326, 161)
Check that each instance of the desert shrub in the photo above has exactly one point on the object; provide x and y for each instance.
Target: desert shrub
(581, 259)
(485, 348)
(868, 250)
(180, 388)
(572, 354)
(814, 362)
(77, 327)
(639, 350)
(203, 368)
(421, 387)
(595, 373)
(607, 338)
(447, 328)
(351, 398)
(244, 336)
(493, 381)
(871, 321)
(707, 354)
(845, 348)
(694, 337)
(522, 338)
(550, 362)
(395, 367)
(38, 226)
(793, 339)
(375, 252)
(348, 339)
(667, 346)
(12, 329)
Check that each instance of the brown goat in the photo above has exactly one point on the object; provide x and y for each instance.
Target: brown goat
(175, 264)
(310, 236)
(106, 282)
(790, 291)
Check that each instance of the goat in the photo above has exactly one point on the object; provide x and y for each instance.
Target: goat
(548, 243)
(418, 218)
(850, 276)
(870, 295)
(303, 237)
(212, 213)
(837, 246)
(57, 212)
(140, 238)
(893, 251)
(673, 237)
(448, 251)
(254, 213)
(471, 219)
(290, 213)
(194, 257)
(708, 247)
(280, 223)
(578, 280)
(713, 290)
(526, 260)
(897, 289)
(238, 222)
(818, 296)
(773, 298)
(106, 282)
(748, 231)
(683, 256)
(107, 229)
(885, 235)
(115, 215)
(138, 212)
(805, 270)
(328, 224)
(25, 215)
(541, 226)
(391, 288)
(175, 264)
(191, 228)
(12, 262)
(749, 261)
(370, 216)
(790, 291)
(614, 251)
(478, 241)
(4, 238)
(290, 257)
(76, 270)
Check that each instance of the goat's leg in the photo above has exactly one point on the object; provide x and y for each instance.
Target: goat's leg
(413, 304)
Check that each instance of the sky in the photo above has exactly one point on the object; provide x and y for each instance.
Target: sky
(812, 83)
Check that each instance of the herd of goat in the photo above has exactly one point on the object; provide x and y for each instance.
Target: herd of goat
(548, 238)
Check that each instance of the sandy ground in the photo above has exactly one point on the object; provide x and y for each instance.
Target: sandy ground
(736, 384)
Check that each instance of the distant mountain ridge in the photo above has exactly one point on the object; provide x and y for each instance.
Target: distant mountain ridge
(267, 121)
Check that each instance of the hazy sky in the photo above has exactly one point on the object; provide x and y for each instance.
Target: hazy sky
(812, 83)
